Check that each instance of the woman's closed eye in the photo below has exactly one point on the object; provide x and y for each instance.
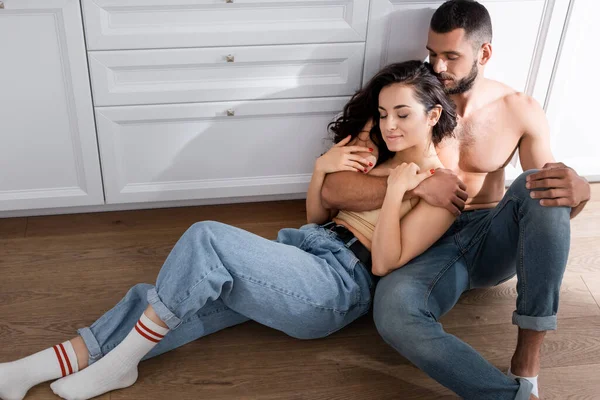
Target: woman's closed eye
(399, 116)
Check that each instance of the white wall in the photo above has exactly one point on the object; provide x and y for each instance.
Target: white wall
(572, 104)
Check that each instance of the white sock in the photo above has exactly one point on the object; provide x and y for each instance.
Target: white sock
(17, 377)
(117, 369)
(533, 380)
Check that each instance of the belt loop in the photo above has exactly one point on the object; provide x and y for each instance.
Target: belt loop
(351, 241)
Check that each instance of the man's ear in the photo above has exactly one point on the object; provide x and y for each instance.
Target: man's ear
(434, 115)
(485, 53)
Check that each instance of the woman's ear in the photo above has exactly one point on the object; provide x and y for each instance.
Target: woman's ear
(434, 115)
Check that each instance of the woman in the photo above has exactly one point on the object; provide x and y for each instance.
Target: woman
(308, 283)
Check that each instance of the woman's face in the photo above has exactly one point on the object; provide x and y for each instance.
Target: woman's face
(402, 118)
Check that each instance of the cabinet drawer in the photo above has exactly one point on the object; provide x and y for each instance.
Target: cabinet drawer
(212, 150)
(144, 24)
(222, 74)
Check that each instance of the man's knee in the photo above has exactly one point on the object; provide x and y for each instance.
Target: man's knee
(519, 190)
(397, 314)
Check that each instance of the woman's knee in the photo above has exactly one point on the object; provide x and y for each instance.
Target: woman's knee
(202, 228)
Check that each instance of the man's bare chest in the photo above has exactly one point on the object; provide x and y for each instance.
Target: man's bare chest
(480, 145)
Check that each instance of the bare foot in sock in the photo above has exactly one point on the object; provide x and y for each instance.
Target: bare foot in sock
(532, 379)
(17, 377)
(116, 370)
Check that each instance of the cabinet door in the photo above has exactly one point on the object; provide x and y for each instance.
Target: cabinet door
(212, 150)
(152, 24)
(131, 77)
(48, 148)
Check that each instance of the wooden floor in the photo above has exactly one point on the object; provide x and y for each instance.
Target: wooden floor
(58, 273)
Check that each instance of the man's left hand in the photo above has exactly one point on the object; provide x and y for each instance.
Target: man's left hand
(563, 187)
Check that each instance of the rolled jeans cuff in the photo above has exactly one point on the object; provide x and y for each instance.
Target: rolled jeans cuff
(165, 315)
(534, 323)
(93, 347)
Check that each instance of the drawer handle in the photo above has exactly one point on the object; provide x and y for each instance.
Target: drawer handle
(228, 1)
(1, 5)
(230, 58)
(230, 113)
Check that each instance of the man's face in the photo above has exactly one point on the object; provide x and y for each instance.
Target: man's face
(454, 60)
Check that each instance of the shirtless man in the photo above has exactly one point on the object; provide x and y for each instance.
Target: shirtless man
(523, 231)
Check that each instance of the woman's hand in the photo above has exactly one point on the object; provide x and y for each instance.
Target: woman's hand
(406, 177)
(342, 158)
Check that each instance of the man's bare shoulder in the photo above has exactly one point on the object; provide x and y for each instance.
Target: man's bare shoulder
(497, 94)
(526, 112)
(520, 103)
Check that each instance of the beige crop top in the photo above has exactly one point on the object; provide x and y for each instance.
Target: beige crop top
(365, 221)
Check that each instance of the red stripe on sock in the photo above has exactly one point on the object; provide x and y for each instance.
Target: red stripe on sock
(150, 331)
(64, 353)
(146, 336)
(60, 361)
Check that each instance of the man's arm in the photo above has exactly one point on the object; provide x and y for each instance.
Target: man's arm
(359, 192)
(353, 191)
(534, 147)
(563, 186)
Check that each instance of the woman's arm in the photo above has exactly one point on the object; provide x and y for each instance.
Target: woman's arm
(316, 213)
(339, 158)
(400, 236)
(397, 239)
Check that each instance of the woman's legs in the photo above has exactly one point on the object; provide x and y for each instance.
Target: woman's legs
(110, 329)
(305, 284)
(81, 351)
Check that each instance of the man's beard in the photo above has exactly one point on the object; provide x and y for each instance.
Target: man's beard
(465, 84)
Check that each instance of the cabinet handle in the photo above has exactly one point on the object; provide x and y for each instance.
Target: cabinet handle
(230, 58)
(230, 113)
(1, 5)
(228, 1)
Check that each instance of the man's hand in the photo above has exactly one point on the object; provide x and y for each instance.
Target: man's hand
(563, 187)
(443, 189)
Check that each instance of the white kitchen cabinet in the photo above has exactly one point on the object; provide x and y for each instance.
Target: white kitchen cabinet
(145, 24)
(220, 99)
(217, 99)
(212, 150)
(48, 148)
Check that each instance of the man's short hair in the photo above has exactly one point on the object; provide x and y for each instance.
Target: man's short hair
(466, 14)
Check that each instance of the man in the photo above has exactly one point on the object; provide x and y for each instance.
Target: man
(525, 231)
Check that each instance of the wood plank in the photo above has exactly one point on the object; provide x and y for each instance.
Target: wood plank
(592, 281)
(71, 269)
(576, 342)
(12, 227)
(286, 213)
(584, 255)
(496, 305)
(566, 383)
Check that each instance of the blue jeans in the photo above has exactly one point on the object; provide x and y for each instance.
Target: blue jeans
(481, 249)
(306, 284)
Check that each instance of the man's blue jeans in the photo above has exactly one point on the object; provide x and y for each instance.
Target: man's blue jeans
(481, 249)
